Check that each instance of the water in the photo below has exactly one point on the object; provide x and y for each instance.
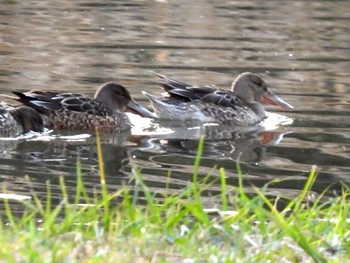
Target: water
(300, 48)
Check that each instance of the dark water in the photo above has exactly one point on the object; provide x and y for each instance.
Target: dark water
(301, 49)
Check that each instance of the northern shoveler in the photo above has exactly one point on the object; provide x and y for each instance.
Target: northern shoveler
(239, 106)
(17, 120)
(78, 112)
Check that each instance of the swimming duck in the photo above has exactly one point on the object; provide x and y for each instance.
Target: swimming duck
(239, 106)
(79, 112)
(18, 120)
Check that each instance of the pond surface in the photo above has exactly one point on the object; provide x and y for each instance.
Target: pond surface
(300, 48)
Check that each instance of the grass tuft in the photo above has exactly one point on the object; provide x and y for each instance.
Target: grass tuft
(178, 227)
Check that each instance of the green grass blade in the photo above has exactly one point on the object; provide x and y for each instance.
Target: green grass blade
(105, 197)
(196, 167)
(292, 230)
(223, 189)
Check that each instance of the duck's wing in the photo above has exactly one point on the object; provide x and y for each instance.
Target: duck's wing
(224, 99)
(184, 91)
(84, 104)
(42, 101)
(47, 102)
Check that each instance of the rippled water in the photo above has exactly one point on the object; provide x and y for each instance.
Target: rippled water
(301, 49)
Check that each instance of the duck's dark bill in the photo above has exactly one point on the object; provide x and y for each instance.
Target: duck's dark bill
(272, 99)
(136, 108)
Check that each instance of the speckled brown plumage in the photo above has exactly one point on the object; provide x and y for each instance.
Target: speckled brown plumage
(105, 111)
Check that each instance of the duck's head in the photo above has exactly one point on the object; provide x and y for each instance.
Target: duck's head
(252, 88)
(117, 98)
(28, 118)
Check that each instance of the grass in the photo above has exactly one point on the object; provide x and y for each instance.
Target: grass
(243, 228)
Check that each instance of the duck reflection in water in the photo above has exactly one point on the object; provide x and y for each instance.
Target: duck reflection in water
(243, 146)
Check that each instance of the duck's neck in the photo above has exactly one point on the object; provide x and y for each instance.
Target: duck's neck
(109, 103)
(258, 109)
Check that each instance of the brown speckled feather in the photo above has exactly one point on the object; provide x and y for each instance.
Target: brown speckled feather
(105, 111)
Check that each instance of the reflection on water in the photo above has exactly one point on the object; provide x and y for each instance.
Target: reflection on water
(300, 48)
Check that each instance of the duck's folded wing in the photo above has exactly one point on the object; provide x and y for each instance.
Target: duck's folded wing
(181, 90)
(83, 104)
(223, 99)
(40, 101)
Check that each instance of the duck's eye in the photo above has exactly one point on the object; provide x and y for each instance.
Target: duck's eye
(264, 88)
(257, 80)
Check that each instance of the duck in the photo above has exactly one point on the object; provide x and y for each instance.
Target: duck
(16, 120)
(241, 105)
(105, 111)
